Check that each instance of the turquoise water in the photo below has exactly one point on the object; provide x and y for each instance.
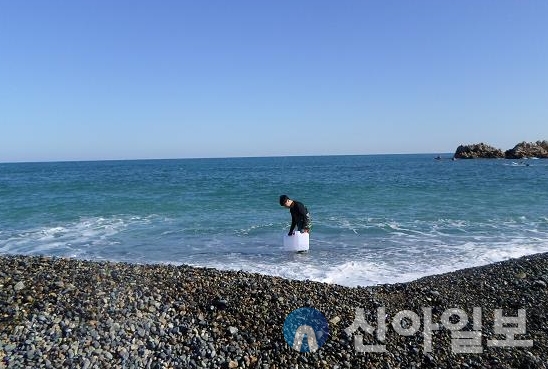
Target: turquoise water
(376, 219)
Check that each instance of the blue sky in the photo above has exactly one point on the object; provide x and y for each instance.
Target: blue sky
(89, 80)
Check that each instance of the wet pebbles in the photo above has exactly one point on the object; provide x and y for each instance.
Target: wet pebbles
(65, 313)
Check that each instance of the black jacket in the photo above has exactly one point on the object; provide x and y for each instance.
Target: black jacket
(299, 215)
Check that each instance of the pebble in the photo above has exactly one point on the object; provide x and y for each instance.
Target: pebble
(117, 315)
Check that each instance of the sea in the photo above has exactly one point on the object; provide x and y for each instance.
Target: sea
(376, 218)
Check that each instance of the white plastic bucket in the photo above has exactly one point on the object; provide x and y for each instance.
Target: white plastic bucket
(298, 242)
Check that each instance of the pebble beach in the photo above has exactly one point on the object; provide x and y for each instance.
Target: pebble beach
(70, 313)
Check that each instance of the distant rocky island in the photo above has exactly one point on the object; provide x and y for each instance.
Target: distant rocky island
(522, 150)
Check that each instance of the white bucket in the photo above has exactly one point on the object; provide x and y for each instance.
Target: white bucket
(298, 242)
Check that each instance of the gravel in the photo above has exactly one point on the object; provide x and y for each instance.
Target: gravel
(57, 312)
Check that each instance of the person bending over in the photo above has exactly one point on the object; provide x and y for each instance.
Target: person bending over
(300, 217)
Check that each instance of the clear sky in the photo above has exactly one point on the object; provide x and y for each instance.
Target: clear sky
(86, 80)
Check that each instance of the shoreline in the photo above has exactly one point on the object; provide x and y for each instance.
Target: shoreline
(57, 312)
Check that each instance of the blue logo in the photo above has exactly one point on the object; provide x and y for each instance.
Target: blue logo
(306, 329)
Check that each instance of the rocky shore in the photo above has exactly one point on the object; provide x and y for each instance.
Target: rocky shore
(522, 150)
(65, 313)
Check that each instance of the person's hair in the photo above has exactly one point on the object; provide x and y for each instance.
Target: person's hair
(283, 199)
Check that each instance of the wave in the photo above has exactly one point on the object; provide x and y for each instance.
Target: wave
(380, 267)
(74, 239)
(354, 252)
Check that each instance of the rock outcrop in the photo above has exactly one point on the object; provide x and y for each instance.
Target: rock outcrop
(524, 150)
(476, 151)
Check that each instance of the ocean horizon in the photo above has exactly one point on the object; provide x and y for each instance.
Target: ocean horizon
(445, 155)
(378, 218)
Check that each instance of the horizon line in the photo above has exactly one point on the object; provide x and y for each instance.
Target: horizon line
(212, 157)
